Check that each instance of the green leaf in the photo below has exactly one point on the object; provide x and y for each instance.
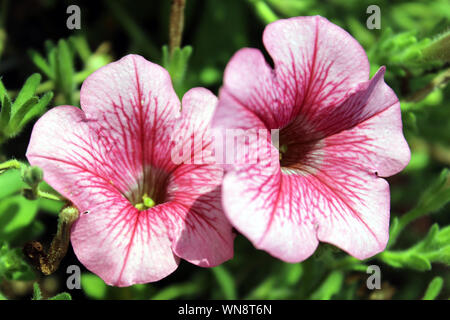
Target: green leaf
(12, 182)
(434, 248)
(93, 286)
(82, 47)
(5, 114)
(263, 290)
(3, 91)
(329, 287)
(37, 293)
(434, 198)
(65, 70)
(176, 64)
(434, 288)
(418, 262)
(61, 296)
(176, 291)
(225, 281)
(16, 213)
(439, 49)
(26, 93)
(41, 63)
(292, 273)
(17, 117)
(264, 11)
(38, 109)
(52, 61)
(437, 195)
(13, 265)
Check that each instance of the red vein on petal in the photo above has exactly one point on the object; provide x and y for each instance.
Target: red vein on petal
(129, 245)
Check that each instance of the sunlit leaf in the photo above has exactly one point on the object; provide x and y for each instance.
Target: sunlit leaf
(93, 286)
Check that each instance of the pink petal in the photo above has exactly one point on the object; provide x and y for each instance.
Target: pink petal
(365, 100)
(316, 64)
(202, 235)
(286, 213)
(74, 162)
(265, 206)
(250, 91)
(122, 245)
(107, 156)
(261, 204)
(134, 108)
(376, 145)
(350, 206)
(192, 137)
(114, 240)
(341, 130)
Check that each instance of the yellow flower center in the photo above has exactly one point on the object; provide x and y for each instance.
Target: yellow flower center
(146, 203)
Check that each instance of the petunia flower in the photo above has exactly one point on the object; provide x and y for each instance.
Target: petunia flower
(339, 135)
(113, 159)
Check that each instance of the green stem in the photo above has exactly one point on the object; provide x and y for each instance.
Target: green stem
(439, 81)
(264, 11)
(349, 263)
(403, 221)
(10, 164)
(49, 196)
(176, 24)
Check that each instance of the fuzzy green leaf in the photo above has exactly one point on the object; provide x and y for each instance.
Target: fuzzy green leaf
(14, 127)
(5, 113)
(176, 291)
(225, 281)
(65, 70)
(329, 287)
(38, 109)
(37, 293)
(176, 64)
(3, 91)
(439, 49)
(61, 296)
(434, 288)
(26, 93)
(16, 213)
(93, 286)
(434, 248)
(41, 63)
(12, 264)
(82, 47)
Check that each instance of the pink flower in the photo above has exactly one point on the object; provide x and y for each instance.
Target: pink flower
(112, 158)
(339, 134)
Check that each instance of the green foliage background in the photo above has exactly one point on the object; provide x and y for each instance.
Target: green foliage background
(42, 64)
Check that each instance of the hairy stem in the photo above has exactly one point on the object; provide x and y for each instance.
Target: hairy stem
(48, 261)
(10, 164)
(176, 24)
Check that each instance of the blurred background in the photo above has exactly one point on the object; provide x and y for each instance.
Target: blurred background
(413, 43)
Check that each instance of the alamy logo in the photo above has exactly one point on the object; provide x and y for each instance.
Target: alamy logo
(74, 280)
(374, 280)
(74, 20)
(374, 20)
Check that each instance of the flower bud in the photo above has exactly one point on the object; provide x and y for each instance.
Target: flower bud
(33, 176)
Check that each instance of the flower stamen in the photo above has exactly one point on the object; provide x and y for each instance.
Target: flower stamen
(146, 203)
